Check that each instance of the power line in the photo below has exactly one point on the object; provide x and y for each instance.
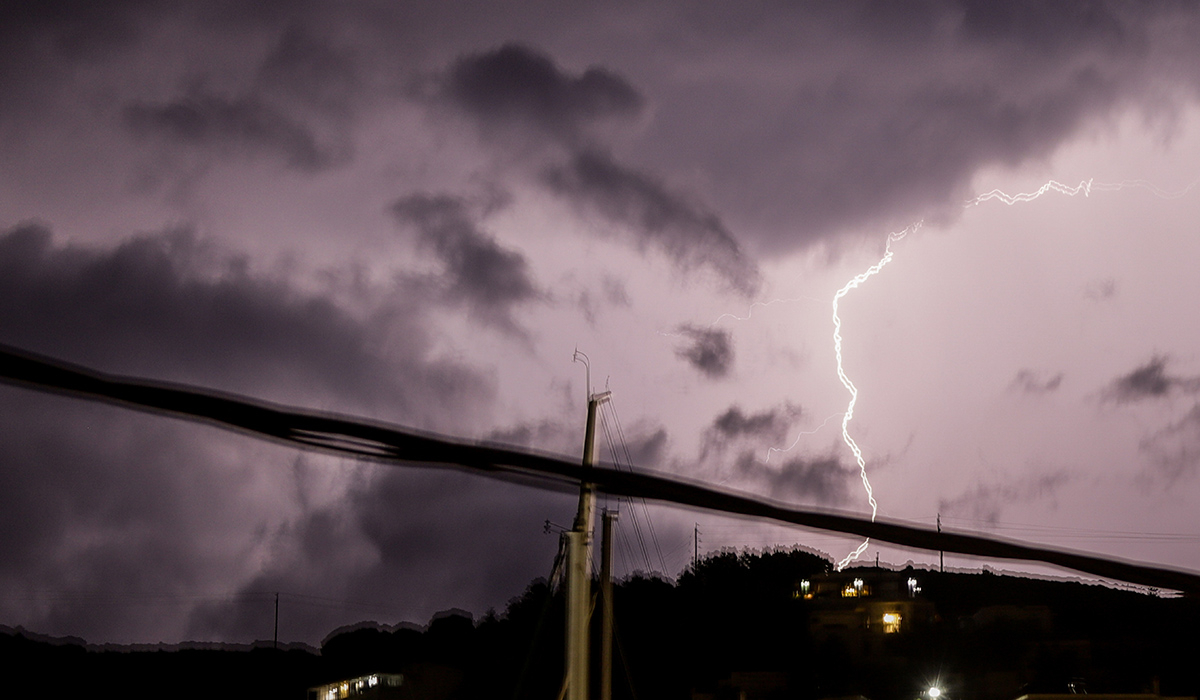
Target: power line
(628, 466)
(1073, 532)
(645, 508)
(397, 445)
(637, 530)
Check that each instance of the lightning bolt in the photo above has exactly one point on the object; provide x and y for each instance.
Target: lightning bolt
(1052, 186)
(1085, 187)
(750, 311)
(814, 431)
(837, 351)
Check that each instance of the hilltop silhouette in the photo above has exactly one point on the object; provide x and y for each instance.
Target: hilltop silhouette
(773, 624)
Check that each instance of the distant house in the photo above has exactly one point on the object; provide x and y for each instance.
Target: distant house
(860, 603)
(377, 686)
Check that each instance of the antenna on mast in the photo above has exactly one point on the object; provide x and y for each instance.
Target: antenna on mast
(577, 546)
(587, 367)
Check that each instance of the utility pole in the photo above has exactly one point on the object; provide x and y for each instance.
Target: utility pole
(578, 559)
(276, 620)
(941, 554)
(606, 596)
(695, 548)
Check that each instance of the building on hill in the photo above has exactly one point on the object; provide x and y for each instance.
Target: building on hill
(377, 686)
(857, 604)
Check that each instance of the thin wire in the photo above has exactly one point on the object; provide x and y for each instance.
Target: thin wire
(1080, 533)
(645, 507)
(623, 562)
(632, 512)
(625, 547)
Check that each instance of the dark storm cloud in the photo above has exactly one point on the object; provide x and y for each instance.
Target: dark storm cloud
(656, 216)
(1045, 30)
(612, 294)
(734, 426)
(821, 481)
(734, 423)
(646, 451)
(1150, 381)
(1174, 450)
(1147, 381)
(807, 120)
(315, 71)
(407, 523)
(76, 29)
(1101, 290)
(517, 86)
(985, 502)
(802, 122)
(114, 521)
(641, 447)
(827, 119)
(708, 350)
(287, 60)
(79, 30)
(238, 124)
(126, 519)
(523, 90)
(168, 305)
(553, 436)
(488, 277)
(1031, 382)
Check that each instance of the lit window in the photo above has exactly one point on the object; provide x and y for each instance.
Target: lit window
(891, 622)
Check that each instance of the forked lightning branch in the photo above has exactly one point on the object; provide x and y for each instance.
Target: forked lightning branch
(1085, 188)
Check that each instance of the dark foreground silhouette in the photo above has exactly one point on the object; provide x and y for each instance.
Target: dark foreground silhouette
(771, 625)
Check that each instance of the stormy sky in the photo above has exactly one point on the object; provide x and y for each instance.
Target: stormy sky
(416, 213)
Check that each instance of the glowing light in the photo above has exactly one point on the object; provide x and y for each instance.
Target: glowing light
(849, 414)
(934, 692)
